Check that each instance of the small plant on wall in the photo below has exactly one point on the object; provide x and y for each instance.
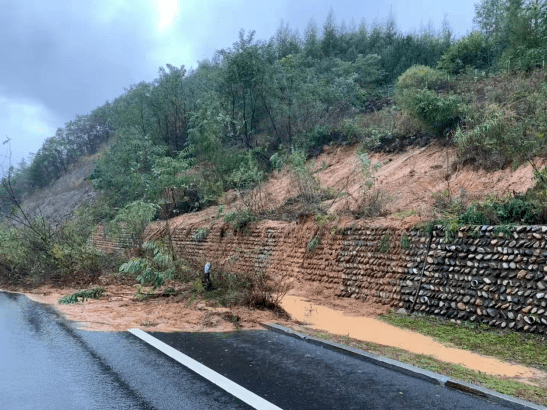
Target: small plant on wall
(200, 234)
(239, 219)
(405, 242)
(384, 245)
(313, 244)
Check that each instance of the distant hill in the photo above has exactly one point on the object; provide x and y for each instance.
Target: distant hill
(58, 201)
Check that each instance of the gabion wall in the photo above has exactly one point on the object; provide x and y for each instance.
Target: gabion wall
(481, 275)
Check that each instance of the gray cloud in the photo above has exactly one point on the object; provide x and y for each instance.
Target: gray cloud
(62, 58)
(72, 59)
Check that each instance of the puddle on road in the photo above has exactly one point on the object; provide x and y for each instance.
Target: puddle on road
(373, 330)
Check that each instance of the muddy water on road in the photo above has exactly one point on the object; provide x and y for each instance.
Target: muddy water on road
(373, 330)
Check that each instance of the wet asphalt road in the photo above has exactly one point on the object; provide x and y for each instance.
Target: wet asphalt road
(46, 363)
(294, 374)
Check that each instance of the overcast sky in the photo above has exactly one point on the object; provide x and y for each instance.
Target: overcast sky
(59, 58)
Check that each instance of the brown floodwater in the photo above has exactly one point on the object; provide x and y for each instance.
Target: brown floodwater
(373, 330)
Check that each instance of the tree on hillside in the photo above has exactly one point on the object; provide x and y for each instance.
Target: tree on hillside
(124, 170)
(329, 42)
(472, 51)
(311, 41)
(132, 109)
(490, 18)
(243, 87)
(169, 108)
(517, 30)
(286, 41)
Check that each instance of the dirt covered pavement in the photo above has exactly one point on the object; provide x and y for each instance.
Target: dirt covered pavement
(119, 310)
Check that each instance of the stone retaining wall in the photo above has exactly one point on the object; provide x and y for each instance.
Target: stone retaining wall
(102, 241)
(272, 246)
(356, 261)
(373, 264)
(481, 275)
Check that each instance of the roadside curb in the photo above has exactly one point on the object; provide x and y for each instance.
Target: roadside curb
(410, 370)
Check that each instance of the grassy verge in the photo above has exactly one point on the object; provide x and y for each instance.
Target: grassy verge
(521, 348)
(513, 387)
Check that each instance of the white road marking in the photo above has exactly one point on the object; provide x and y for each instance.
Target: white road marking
(224, 383)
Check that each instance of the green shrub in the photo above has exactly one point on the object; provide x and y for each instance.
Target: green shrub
(472, 51)
(304, 184)
(323, 219)
(503, 211)
(239, 219)
(405, 242)
(39, 250)
(370, 200)
(277, 160)
(448, 205)
(384, 244)
(523, 58)
(27, 251)
(487, 132)
(417, 96)
(320, 135)
(313, 243)
(389, 122)
(82, 296)
(152, 269)
(439, 112)
(200, 235)
(419, 77)
(501, 130)
(506, 230)
(474, 215)
(350, 129)
(220, 210)
(132, 220)
(248, 174)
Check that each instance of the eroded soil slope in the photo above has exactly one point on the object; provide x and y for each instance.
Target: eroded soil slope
(412, 182)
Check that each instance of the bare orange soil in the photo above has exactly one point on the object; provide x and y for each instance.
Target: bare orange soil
(118, 310)
(411, 181)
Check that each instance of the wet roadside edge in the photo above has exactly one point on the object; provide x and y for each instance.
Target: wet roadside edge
(409, 370)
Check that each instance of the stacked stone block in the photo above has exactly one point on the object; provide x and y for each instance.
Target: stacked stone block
(278, 248)
(374, 264)
(481, 275)
(102, 241)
